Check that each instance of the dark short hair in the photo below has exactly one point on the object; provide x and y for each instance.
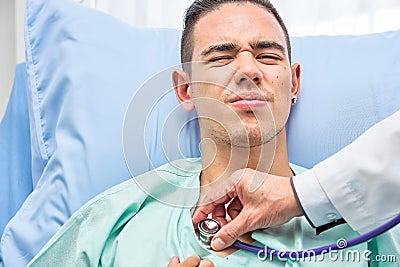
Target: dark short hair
(200, 8)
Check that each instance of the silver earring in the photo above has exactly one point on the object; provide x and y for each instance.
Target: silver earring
(294, 100)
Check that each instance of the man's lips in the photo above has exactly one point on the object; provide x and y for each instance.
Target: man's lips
(248, 101)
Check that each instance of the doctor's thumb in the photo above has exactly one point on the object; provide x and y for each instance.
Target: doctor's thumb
(228, 234)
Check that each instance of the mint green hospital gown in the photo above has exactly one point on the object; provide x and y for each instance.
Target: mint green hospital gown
(124, 226)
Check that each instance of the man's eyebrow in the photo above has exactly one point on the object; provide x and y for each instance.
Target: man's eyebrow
(220, 48)
(268, 45)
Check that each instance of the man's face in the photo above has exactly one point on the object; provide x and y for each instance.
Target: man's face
(242, 87)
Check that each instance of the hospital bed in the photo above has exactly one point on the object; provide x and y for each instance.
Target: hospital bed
(62, 136)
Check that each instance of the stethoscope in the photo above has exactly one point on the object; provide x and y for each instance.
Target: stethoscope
(209, 227)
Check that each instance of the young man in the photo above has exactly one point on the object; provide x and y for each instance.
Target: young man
(238, 76)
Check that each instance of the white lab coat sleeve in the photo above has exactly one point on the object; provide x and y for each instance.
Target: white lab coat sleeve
(316, 206)
(362, 181)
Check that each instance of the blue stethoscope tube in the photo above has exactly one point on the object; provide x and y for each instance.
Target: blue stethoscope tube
(317, 251)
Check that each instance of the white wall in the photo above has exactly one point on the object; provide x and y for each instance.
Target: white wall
(11, 46)
(7, 51)
(338, 17)
(19, 30)
(302, 17)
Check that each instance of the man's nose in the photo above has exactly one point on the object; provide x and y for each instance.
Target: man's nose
(247, 69)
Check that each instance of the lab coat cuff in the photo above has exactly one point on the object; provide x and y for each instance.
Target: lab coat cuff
(316, 206)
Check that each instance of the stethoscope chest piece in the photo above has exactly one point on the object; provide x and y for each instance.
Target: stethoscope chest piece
(207, 230)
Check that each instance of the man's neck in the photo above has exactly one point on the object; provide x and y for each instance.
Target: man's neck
(221, 161)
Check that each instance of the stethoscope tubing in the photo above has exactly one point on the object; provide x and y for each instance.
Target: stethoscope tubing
(320, 250)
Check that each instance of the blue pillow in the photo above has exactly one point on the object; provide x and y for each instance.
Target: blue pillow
(83, 69)
(15, 152)
(348, 84)
(85, 66)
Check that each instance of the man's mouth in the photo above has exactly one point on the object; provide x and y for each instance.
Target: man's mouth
(248, 101)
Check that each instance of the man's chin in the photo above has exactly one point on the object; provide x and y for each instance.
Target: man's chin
(254, 138)
(250, 143)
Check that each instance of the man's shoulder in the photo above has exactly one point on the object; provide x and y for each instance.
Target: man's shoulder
(172, 171)
(100, 214)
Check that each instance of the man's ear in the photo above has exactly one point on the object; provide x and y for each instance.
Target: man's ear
(296, 71)
(182, 87)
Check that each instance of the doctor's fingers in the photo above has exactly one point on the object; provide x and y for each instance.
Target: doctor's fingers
(231, 232)
(234, 208)
(219, 214)
(209, 206)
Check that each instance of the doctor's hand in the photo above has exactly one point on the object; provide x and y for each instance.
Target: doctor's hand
(256, 200)
(192, 261)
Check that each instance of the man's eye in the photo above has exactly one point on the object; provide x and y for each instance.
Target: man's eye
(268, 58)
(219, 59)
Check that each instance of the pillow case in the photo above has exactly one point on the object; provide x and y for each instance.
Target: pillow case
(348, 84)
(84, 67)
(15, 153)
